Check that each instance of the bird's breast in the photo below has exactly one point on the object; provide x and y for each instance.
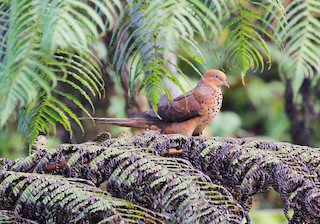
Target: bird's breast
(211, 102)
(212, 96)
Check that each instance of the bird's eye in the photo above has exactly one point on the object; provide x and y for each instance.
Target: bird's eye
(216, 76)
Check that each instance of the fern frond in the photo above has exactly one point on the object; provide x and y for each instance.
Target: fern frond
(30, 193)
(301, 40)
(147, 32)
(8, 216)
(82, 74)
(44, 45)
(245, 44)
(252, 166)
(215, 184)
(166, 185)
(19, 68)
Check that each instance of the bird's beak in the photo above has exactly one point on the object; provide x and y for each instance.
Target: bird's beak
(224, 83)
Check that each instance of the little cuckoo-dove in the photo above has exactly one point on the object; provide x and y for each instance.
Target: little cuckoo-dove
(186, 114)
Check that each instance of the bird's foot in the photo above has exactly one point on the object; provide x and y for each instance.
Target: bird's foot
(199, 134)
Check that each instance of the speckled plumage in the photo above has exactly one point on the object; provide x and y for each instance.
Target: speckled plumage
(186, 114)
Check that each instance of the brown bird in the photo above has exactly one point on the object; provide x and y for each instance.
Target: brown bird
(186, 114)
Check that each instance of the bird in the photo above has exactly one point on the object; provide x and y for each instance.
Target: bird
(40, 142)
(187, 114)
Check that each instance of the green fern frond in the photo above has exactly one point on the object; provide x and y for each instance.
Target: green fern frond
(19, 68)
(301, 38)
(155, 71)
(44, 44)
(244, 44)
(80, 64)
(82, 74)
(153, 33)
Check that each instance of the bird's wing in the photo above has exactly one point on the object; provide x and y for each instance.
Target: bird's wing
(181, 108)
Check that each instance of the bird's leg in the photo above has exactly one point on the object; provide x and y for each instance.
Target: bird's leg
(198, 134)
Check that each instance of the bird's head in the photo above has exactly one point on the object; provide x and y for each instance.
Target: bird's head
(215, 78)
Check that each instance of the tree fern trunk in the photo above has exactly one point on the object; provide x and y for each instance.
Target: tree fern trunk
(297, 116)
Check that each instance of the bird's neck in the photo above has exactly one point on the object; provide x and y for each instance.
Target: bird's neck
(203, 83)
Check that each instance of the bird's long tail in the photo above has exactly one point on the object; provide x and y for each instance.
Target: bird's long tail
(135, 122)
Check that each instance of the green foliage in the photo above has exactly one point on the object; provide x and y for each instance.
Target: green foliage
(300, 37)
(268, 216)
(218, 127)
(50, 110)
(263, 98)
(45, 44)
(159, 31)
(11, 145)
(246, 26)
(148, 34)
